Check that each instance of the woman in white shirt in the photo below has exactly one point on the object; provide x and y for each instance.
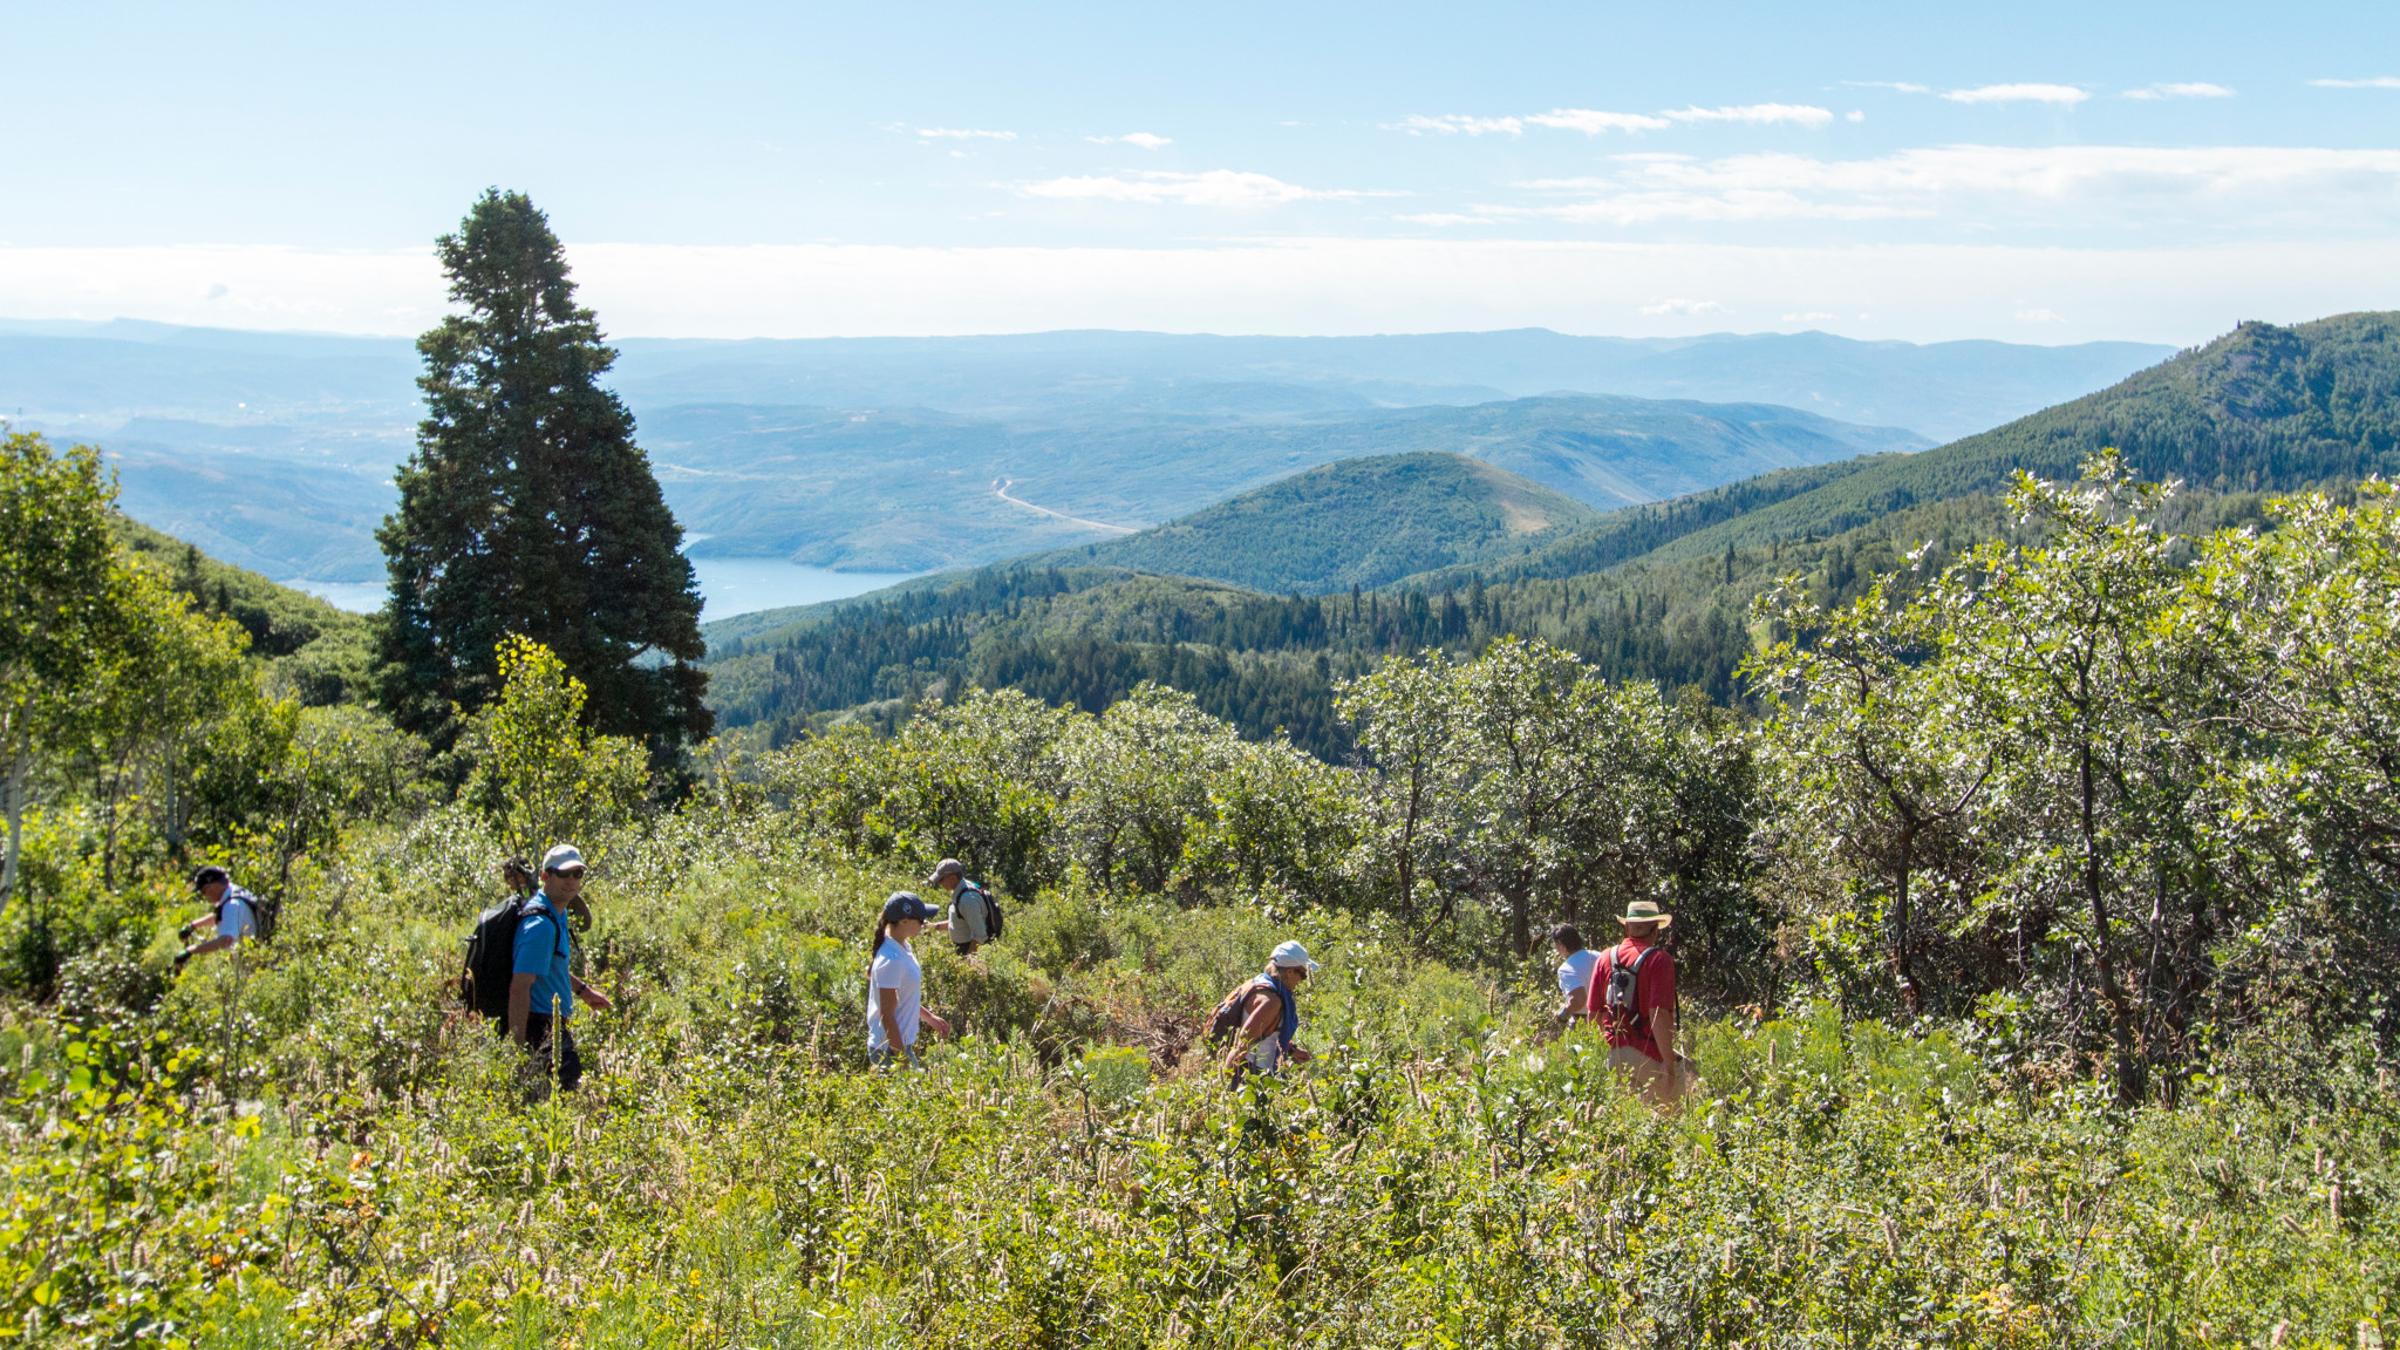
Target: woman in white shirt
(896, 984)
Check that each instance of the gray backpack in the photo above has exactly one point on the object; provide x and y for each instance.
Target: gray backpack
(1623, 983)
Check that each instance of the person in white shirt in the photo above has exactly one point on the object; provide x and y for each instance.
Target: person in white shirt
(233, 913)
(896, 984)
(1575, 963)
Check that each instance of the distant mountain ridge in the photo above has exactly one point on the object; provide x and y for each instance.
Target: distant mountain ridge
(276, 450)
(1940, 389)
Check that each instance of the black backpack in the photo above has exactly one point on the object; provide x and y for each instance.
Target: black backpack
(992, 919)
(492, 959)
(1623, 983)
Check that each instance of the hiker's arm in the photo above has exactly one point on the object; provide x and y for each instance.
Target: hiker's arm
(215, 944)
(203, 921)
(887, 1007)
(1662, 1030)
(939, 1024)
(1572, 1006)
(520, 1006)
(1259, 1025)
(591, 998)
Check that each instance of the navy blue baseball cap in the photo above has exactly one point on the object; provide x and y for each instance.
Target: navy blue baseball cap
(906, 905)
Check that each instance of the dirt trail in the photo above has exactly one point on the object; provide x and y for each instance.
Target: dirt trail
(1000, 487)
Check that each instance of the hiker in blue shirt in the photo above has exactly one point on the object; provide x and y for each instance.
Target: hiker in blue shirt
(544, 989)
(233, 912)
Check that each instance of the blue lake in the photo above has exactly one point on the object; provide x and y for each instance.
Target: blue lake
(728, 586)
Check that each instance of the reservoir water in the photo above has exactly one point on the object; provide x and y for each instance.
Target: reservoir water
(728, 586)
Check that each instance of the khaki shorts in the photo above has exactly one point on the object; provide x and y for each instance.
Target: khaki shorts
(1648, 1074)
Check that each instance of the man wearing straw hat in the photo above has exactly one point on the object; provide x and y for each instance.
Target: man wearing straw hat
(1633, 999)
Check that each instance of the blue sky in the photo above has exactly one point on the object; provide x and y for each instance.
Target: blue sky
(2039, 172)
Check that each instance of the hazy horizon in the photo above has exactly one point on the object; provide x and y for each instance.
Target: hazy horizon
(31, 321)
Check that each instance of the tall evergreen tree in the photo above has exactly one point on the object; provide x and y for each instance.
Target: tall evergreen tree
(527, 508)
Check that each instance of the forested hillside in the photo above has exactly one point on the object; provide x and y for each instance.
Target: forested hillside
(322, 652)
(1661, 592)
(2263, 408)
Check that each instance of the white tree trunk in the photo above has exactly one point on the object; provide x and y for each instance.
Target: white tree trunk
(16, 829)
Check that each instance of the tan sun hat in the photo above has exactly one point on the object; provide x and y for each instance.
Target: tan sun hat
(1646, 911)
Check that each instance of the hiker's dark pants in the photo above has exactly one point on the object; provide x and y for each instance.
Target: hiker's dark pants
(569, 1065)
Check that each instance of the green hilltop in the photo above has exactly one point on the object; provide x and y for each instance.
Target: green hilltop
(1356, 522)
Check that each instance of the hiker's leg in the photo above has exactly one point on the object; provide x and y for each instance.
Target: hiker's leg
(535, 1072)
(1641, 1072)
(570, 1063)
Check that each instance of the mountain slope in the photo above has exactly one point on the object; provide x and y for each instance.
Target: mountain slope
(1356, 522)
(2263, 408)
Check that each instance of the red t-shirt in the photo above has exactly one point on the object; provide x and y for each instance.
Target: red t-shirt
(1654, 989)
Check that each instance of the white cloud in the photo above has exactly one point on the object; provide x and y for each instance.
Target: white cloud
(2371, 82)
(1896, 86)
(1143, 139)
(1811, 316)
(2065, 94)
(1684, 308)
(1457, 124)
(2182, 294)
(963, 134)
(1216, 187)
(2184, 89)
(1650, 208)
(2235, 184)
(2040, 316)
(1755, 114)
(1445, 218)
(1854, 115)
(1592, 123)
(1589, 121)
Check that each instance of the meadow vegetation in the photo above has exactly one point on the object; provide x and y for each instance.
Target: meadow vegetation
(2037, 934)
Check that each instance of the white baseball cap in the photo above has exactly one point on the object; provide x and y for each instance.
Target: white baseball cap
(561, 857)
(1293, 954)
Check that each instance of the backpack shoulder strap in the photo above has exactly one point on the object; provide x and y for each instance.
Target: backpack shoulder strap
(1259, 985)
(558, 922)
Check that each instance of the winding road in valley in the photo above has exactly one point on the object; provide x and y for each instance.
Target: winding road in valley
(1000, 487)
